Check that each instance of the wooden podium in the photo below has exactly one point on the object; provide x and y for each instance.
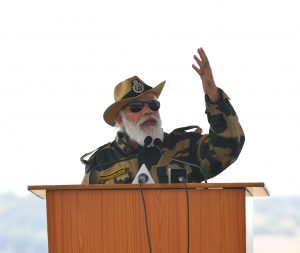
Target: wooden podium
(111, 219)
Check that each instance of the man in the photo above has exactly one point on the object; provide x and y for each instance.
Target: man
(136, 114)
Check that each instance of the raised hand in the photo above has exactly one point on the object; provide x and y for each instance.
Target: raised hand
(205, 73)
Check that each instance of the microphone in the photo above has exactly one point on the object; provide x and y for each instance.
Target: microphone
(143, 178)
(157, 142)
(147, 141)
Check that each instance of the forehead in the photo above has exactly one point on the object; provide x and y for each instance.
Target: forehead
(146, 96)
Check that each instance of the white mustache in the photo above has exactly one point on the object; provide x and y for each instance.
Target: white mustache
(145, 118)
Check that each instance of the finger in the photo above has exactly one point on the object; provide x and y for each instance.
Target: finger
(199, 71)
(199, 62)
(203, 56)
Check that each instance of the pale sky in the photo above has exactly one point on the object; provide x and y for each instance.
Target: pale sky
(60, 60)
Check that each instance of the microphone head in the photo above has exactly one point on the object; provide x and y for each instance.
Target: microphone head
(143, 178)
(157, 142)
(147, 141)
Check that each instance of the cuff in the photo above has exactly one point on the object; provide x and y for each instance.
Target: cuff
(222, 106)
(223, 96)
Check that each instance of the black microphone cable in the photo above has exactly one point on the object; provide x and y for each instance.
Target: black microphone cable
(141, 181)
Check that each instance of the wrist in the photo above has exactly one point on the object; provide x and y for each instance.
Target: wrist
(214, 96)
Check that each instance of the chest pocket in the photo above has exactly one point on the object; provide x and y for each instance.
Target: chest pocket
(120, 173)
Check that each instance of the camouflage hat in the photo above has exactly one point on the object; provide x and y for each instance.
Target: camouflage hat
(125, 92)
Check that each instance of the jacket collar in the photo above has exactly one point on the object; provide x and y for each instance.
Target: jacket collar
(123, 146)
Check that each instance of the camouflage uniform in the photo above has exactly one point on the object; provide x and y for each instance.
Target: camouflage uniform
(116, 162)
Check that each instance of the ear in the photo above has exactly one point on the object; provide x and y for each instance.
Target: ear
(118, 119)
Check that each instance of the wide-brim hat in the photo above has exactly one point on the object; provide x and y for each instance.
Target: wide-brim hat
(127, 91)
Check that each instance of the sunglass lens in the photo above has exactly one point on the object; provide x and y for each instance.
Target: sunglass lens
(154, 105)
(136, 106)
(139, 105)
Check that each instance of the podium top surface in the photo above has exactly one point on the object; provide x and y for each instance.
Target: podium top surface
(254, 189)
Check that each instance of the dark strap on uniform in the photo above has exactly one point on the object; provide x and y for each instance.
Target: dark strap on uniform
(85, 155)
(184, 128)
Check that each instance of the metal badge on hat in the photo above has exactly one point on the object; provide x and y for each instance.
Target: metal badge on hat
(137, 86)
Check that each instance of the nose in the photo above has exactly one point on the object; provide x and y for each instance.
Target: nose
(147, 110)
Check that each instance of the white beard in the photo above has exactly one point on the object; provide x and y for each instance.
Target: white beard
(138, 133)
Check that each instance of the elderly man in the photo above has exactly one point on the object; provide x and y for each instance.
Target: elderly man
(136, 114)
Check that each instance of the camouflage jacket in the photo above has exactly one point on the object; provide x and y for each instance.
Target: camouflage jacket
(116, 162)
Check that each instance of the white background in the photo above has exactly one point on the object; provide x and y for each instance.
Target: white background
(60, 60)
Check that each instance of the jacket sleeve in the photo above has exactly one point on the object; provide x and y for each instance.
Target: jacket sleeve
(86, 178)
(223, 144)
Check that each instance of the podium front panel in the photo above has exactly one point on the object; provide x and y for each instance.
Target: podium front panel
(113, 221)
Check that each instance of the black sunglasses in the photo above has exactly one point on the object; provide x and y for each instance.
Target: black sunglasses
(139, 105)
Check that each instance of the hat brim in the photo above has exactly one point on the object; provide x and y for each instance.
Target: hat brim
(111, 112)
